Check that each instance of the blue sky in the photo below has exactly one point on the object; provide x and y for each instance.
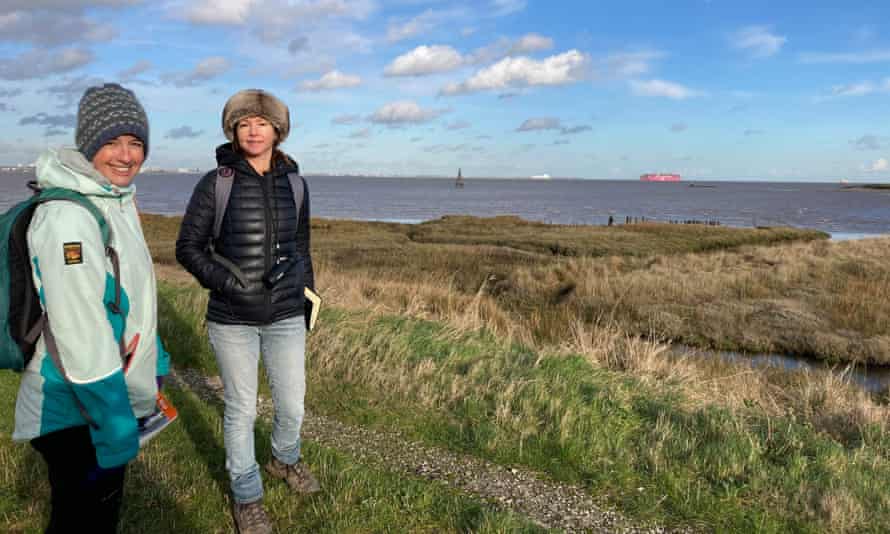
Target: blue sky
(712, 89)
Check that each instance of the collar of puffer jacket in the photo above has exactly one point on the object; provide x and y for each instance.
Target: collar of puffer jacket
(227, 156)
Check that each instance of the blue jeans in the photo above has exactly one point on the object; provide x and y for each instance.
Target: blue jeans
(237, 349)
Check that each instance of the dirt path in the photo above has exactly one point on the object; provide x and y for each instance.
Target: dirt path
(547, 503)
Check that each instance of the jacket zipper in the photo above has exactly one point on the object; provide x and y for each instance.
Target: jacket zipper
(267, 242)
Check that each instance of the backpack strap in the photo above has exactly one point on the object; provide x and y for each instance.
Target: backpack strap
(225, 177)
(297, 188)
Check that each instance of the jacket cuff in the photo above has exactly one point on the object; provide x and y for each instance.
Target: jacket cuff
(163, 359)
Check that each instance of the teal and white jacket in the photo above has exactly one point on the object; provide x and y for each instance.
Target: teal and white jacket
(75, 281)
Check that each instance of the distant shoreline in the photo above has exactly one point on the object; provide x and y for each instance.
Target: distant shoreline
(867, 187)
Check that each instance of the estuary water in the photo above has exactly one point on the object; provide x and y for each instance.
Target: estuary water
(845, 213)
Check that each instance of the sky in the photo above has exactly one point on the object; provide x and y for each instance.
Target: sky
(711, 89)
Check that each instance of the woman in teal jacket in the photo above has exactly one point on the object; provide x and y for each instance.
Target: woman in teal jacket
(83, 418)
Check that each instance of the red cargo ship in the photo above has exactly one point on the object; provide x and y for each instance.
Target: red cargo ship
(659, 177)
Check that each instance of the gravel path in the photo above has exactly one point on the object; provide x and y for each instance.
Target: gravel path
(547, 503)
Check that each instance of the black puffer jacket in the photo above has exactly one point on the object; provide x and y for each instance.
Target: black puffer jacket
(259, 227)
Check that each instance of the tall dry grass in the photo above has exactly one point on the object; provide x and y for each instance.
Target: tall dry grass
(830, 300)
(820, 299)
(829, 401)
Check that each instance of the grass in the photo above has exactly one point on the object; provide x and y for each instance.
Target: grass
(546, 347)
(755, 290)
(179, 484)
(647, 446)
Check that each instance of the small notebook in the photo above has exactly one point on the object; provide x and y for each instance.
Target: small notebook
(165, 413)
(313, 304)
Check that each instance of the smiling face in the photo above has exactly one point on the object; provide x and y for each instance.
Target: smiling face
(120, 159)
(256, 137)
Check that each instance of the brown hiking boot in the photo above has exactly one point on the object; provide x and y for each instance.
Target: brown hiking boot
(251, 518)
(297, 475)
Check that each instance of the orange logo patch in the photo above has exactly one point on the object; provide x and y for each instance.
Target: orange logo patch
(73, 253)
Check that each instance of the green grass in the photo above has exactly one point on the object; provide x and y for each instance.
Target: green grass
(732, 471)
(641, 447)
(179, 482)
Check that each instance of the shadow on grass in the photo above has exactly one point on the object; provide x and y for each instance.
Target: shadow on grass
(189, 348)
(150, 506)
(184, 343)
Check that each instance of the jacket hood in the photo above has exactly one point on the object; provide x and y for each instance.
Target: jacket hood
(67, 167)
(227, 156)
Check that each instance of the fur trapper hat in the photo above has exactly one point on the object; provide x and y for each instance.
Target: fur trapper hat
(255, 103)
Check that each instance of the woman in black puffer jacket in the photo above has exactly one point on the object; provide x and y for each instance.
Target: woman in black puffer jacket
(262, 229)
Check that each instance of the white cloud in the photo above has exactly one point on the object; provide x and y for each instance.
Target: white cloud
(531, 42)
(330, 81)
(854, 89)
(364, 133)
(205, 70)
(551, 123)
(879, 165)
(869, 56)
(565, 68)
(298, 44)
(863, 88)
(9, 6)
(425, 60)
(138, 68)
(403, 112)
(66, 121)
(412, 27)
(457, 125)
(506, 7)
(868, 142)
(576, 129)
(183, 132)
(542, 123)
(70, 90)
(758, 41)
(38, 63)
(219, 11)
(495, 51)
(273, 21)
(503, 47)
(52, 28)
(210, 68)
(629, 64)
(662, 88)
(346, 119)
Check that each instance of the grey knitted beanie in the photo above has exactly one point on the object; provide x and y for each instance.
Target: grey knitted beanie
(106, 112)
